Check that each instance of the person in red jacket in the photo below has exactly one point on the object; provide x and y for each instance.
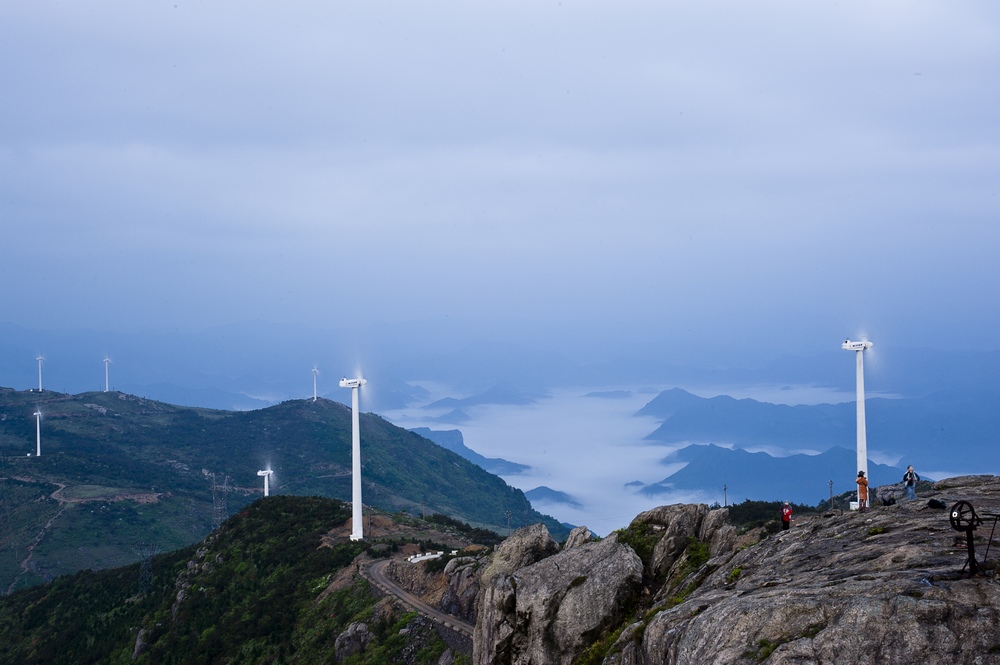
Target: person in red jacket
(786, 516)
(862, 491)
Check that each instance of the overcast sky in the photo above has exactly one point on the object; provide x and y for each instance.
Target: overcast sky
(723, 176)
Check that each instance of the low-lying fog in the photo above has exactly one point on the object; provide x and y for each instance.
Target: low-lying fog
(587, 443)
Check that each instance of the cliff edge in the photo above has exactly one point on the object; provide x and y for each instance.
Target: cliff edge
(680, 586)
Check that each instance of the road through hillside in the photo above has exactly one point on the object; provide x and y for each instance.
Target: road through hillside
(376, 573)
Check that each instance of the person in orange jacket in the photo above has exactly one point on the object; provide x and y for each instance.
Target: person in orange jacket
(862, 491)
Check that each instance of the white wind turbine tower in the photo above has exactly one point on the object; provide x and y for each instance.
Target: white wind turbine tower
(38, 433)
(39, 359)
(267, 474)
(859, 350)
(107, 361)
(357, 529)
(315, 373)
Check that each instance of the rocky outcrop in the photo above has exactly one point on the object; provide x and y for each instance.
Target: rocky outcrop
(883, 586)
(523, 548)
(578, 536)
(538, 606)
(462, 588)
(675, 525)
(551, 610)
(716, 530)
(351, 641)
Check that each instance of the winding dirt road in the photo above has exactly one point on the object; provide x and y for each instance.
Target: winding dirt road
(41, 534)
(376, 573)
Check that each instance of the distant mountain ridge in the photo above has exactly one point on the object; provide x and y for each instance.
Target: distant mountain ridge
(454, 441)
(499, 394)
(798, 478)
(956, 431)
(543, 494)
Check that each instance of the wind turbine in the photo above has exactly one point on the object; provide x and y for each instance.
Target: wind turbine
(39, 359)
(315, 373)
(38, 433)
(107, 361)
(859, 350)
(267, 474)
(357, 529)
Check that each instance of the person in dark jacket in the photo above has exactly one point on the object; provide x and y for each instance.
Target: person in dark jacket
(910, 479)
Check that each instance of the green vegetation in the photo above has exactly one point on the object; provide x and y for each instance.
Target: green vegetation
(437, 565)
(766, 647)
(696, 555)
(752, 514)
(599, 650)
(486, 537)
(139, 471)
(256, 591)
(642, 539)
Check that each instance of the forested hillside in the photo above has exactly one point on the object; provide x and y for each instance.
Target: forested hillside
(265, 588)
(120, 474)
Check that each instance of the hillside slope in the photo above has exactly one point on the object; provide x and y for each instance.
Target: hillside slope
(119, 474)
(270, 586)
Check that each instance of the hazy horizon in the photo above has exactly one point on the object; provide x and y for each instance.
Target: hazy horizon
(709, 185)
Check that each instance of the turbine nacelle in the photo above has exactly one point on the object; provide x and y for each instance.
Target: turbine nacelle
(352, 383)
(848, 345)
(268, 472)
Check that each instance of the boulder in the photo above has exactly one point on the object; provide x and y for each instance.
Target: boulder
(552, 610)
(716, 530)
(351, 641)
(522, 548)
(678, 524)
(459, 597)
(578, 536)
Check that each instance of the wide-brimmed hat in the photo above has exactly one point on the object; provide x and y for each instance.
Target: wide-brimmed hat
(861, 474)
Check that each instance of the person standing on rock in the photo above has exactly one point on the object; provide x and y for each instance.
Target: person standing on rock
(786, 516)
(862, 491)
(910, 479)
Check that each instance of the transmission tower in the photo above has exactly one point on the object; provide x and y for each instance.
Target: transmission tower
(220, 501)
(145, 552)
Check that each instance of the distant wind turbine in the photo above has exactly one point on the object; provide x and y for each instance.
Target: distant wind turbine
(357, 529)
(267, 474)
(107, 361)
(38, 433)
(859, 349)
(315, 373)
(39, 359)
